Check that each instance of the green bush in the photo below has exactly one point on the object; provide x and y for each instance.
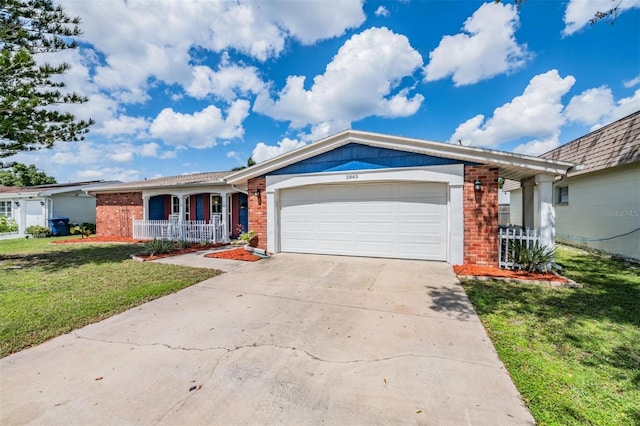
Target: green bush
(182, 244)
(156, 246)
(39, 231)
(8, 225)
(89, 227)
(535, 257)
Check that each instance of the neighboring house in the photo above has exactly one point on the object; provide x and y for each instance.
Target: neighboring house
(367, 194)
(195, 207)
(35, 205)
(597, 205)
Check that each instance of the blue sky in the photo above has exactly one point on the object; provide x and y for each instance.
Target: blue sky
(180, 87)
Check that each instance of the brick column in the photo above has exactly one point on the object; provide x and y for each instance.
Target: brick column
(115, 213)
(480, 216)
(258, 210)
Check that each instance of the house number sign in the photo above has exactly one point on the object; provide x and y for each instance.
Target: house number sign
(352, 177)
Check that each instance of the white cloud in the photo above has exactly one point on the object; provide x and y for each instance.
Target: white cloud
(618, 110)
(579, 12)
(590, 106)
(361, 81)
(536, 113)
(123, 125)
(382, 11)
(108, 174)
(486, 48)
(225, 83)
(633, 82)
(263, 152)
(538, 146)
(202, 129)
(152, 39)
(310, 21)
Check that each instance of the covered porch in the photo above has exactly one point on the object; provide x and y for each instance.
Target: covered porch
(213, 217)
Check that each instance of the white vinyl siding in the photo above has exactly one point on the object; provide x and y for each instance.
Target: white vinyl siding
(396, 220)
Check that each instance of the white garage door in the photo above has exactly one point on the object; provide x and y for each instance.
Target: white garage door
(397, 220)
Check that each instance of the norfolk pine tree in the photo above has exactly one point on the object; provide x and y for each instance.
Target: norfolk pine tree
(28, 92)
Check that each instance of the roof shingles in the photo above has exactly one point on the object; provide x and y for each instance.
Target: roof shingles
(613, 145)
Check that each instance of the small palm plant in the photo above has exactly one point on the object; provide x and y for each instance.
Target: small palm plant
(532, 258)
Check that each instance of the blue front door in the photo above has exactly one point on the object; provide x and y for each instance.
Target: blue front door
(156, 208)
(200, 207)
(243, 214)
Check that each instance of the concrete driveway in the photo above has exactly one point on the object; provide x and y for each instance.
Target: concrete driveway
(295, 339)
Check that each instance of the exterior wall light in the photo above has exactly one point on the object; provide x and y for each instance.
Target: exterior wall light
(256, 192)
(477, 185)
(17, 203)
(42, 203)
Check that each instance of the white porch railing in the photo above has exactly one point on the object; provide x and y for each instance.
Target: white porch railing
(194, 231)
(506, 237)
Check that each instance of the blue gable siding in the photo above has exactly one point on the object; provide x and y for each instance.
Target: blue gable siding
(354, 156)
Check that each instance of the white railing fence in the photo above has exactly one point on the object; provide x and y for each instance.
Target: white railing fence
(506, 238)
(194, 231)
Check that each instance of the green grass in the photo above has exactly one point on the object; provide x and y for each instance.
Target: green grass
(574, 354)
(48, 289)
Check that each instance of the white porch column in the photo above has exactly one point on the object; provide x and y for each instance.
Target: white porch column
(225, 216)
(145, 207)
(181, 209)
(546, 211)
(528, 208)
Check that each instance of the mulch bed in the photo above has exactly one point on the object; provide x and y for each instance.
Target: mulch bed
(192, 248)
(494, 272)
(94, 239)
(235, 254)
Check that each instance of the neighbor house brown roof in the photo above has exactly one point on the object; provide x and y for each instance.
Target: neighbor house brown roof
(193, 179)
(613, 145)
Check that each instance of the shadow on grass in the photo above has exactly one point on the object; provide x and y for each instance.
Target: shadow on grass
(454, 301)
(72, 257)
(598, 324)
(609, 293)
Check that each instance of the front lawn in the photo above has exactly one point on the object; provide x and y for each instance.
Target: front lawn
(574, 354)
(49, 289)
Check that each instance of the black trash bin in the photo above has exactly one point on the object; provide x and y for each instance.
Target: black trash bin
(59, 226)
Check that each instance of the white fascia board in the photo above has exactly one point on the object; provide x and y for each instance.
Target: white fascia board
(436, 149)
(452, 174)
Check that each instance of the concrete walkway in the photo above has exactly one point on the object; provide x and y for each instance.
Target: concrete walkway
(295, 339)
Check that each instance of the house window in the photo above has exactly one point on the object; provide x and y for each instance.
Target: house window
(175, 206)
(216, 205)
(563, 195)
(5, 209)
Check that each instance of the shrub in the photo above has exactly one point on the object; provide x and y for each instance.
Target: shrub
(38, 231)
(249, 237)
(535, 257)
(156, 246)
(182, 244)
(88, 227)
(8, 224)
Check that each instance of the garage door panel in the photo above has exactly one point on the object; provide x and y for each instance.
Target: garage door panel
(403, 220)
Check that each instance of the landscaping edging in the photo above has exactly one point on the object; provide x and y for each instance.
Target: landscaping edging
(555, 284)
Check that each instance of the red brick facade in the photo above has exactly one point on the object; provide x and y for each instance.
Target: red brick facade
(258, 210)
(115, 213)
(480, 216)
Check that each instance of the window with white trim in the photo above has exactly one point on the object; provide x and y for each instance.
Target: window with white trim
(563, 195)
(216, 204)
(6, 209)
(175, 206)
